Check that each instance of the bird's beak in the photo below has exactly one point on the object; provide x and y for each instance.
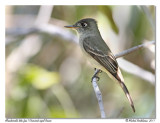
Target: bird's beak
(72, 26)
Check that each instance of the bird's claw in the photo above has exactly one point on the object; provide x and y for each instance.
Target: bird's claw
(95, 76)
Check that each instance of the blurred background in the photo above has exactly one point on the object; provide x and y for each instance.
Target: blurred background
(47, 75)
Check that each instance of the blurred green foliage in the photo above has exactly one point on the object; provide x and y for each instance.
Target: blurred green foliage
(39, 78)
(51, 78)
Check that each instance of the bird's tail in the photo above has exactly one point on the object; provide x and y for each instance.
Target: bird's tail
(120, 79)
(123, 86)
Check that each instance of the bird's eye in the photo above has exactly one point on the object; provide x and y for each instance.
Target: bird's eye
(83, 24)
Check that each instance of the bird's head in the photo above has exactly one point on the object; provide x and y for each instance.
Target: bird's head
(87, 25)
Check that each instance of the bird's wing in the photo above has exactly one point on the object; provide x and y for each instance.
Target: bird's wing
(105, 58)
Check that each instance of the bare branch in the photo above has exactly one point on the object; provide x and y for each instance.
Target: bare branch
(136, 70)
(128, 51)
(50, 29)
(98, 94)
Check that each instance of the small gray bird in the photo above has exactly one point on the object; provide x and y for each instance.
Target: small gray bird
(98, 52)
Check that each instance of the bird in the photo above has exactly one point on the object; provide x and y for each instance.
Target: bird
(98, 52)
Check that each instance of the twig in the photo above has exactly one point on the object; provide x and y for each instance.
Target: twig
(50, 29)
(128, 51)
(98, 94)
(136, 70)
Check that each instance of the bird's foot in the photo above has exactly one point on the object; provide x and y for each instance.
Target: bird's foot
(98, 70)
(96, 74)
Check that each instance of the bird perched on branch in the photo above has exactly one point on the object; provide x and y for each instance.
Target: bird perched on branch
(98, 52)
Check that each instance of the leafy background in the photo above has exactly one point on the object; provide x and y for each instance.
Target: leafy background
(47, 75)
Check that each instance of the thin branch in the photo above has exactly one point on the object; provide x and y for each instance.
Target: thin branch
(50, 29)
(136, 70)
(128, 51)
(98, 93)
